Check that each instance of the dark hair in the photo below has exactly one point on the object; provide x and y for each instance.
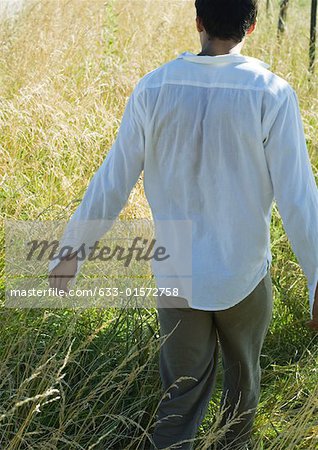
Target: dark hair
(227, 19)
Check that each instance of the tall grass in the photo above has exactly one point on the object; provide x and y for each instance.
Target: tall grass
(89, 379)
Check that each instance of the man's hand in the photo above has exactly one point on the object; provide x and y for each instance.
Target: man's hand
(63, 273)
(313, 324)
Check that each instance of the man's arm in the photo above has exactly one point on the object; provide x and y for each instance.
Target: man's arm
(107, 192)
(295, 189)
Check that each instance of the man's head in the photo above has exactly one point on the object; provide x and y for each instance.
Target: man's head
(226, 19)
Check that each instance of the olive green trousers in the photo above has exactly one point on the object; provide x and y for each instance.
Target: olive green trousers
(191, 350)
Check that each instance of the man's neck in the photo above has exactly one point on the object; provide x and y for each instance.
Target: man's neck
(217, 47)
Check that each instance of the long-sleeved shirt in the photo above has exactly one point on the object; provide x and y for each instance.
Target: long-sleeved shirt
(219, 138)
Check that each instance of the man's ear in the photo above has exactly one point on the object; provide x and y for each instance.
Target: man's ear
(252, 28)
(200, 26)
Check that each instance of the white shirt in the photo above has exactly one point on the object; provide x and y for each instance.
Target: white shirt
(219, 138)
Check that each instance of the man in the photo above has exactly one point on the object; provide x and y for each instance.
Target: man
(219, 137)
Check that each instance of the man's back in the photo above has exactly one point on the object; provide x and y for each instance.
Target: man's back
(218, 137)
(207, 121)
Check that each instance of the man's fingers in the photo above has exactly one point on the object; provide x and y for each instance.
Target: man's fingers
(62, 274)
(59, 282)
(53, 280)
(64, 283)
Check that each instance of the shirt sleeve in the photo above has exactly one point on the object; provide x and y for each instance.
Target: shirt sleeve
(294, 186)
(109, 189)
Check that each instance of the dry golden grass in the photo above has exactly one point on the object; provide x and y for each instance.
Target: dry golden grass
(89, 380)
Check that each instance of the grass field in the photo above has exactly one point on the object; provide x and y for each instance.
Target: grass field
(89, 380)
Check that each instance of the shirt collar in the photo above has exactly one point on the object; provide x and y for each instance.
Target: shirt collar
(221, 59)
